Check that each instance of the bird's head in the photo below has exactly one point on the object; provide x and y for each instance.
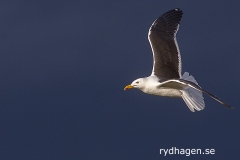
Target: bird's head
(138, 83)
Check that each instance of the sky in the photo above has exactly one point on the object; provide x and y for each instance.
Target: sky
(64, 64)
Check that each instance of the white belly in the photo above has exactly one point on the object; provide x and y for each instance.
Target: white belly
(168, 92)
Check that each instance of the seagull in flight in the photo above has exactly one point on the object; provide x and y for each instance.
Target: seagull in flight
(166, 78)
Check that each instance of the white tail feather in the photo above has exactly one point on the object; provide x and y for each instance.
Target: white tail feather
(192, 97)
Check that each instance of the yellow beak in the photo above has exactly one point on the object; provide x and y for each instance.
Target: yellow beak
(128, 87)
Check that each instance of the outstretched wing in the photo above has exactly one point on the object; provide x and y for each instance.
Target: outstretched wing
(182, 84)
(162, 38)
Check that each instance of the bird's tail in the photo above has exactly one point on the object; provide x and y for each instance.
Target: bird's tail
(192, 97)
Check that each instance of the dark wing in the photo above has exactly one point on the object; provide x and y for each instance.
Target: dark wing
(162, 37)
(174, 83)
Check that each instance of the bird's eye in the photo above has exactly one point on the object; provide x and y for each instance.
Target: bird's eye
(137, 82)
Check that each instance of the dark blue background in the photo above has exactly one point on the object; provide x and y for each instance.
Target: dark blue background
(64, 64)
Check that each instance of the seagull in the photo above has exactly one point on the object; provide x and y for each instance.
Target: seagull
(166, 79)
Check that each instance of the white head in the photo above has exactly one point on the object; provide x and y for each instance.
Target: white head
(138, 83)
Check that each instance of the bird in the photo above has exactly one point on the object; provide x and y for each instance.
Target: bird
(166, 78)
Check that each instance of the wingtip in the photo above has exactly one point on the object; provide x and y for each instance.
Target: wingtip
(228, 106)
(177, 9)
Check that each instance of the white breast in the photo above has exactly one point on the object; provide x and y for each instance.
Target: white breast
(152, 87)
(168, 92)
